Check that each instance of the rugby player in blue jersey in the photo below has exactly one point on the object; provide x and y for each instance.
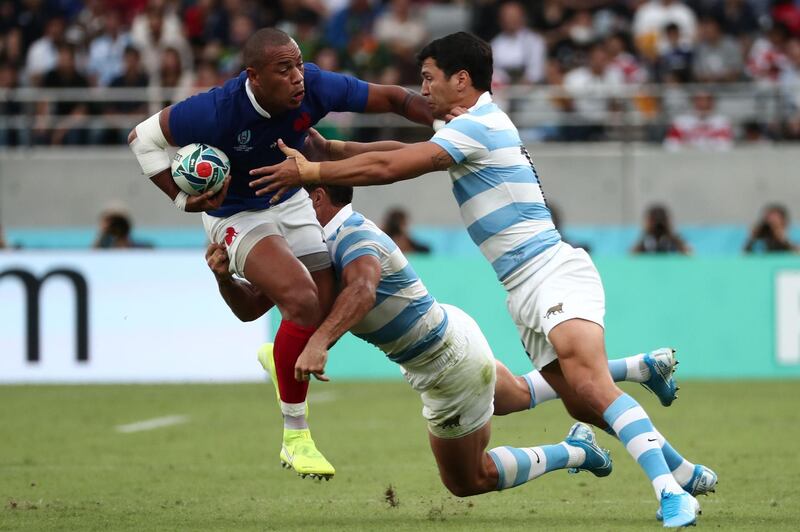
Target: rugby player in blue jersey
(555, 295)
(440, 350)
(277, 246)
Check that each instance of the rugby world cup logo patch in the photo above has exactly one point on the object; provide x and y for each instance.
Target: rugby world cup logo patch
(243, 139)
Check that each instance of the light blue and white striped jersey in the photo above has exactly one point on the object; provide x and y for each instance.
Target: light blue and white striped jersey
(497, 188)
(406, 321)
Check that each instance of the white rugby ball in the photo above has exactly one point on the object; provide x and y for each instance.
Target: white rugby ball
(198, 168)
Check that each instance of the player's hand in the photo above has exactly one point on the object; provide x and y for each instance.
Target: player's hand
(279, 178)
(454, 112)
(217, 260)
(315, 148)
(208, 201)
(311, 362)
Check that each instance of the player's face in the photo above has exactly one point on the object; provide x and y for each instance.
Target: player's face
(440, 90)
(278, 84)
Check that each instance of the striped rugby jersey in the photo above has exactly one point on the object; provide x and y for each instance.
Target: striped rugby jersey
(406, 321)
(497, 188)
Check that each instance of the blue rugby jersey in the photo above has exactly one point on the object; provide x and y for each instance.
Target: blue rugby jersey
(230, 119)
(406, 321)
(497, 188)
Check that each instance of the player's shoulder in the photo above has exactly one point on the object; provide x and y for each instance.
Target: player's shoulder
(360, 230)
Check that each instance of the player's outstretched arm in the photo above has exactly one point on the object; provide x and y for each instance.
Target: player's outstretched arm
(244, 299)
(149, 141)
(317, 148)
(400, 101)
(360, 280)
(374, 168)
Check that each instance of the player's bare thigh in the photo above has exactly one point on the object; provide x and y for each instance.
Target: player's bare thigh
(582, 360)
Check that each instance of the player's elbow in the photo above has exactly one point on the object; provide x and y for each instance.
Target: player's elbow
(364, 290)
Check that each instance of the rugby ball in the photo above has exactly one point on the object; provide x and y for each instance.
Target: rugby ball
(199, 168)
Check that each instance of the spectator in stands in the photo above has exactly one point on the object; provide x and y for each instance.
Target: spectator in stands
(717, 57)
(348, 23)
(68, 126)
(767, 58)
(43, 53)
(10, 133)
(11, 49)
(403, 32)
(653, 17)
(658, 235)
(736, 17)
(395, 224)
(790, 81)
(172, 75)
(592, 88)
(306, 32)
(771, 232)
(115, 232)
(155, 30)
(519, 53)
(106, 50)
(623, 60)
(3, 244)
(675, 58)
(241, 27)
(703, 129)
(133, 76)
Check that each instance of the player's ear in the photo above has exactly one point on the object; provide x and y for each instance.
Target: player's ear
(463, 80)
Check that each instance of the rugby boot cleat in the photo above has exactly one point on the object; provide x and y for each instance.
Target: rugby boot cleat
(598, 461)
(299, 452)
(661, 364)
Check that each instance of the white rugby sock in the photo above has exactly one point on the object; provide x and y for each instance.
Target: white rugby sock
(294, 415)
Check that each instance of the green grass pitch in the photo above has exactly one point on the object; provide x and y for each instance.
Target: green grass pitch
(64, 466)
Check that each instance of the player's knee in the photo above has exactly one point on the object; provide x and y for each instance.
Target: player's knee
(302, 306)
(460, 488)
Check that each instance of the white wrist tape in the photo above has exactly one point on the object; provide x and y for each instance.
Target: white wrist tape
(180, 200)
(150, 147)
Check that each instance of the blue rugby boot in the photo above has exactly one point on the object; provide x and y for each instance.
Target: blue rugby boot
(661, 364)
(679, 509)
(703, 482)
(598, 461)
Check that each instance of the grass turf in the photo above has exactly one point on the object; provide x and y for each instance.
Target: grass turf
(63, 466)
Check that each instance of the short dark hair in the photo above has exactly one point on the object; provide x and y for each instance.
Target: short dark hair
(462, 51)
(264, 38)
(340, 195)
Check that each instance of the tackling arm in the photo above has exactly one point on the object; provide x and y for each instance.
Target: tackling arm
(360, 280)
(373, 168)
(400, 101)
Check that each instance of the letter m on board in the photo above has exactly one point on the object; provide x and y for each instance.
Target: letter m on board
(33, 285)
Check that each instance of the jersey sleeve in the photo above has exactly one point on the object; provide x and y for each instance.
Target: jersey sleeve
(358, 244)
(342, 93)
(461, 139)
(194, 120)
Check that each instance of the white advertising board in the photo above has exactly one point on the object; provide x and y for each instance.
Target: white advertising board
(120, 316)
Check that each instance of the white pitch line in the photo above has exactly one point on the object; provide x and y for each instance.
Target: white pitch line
(150, 424)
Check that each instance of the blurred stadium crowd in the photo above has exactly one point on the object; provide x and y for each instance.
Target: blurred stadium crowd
(703, 73)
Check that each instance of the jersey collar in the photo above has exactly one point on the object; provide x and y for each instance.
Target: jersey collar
(483, 99)
(337, 221)
(250, 96)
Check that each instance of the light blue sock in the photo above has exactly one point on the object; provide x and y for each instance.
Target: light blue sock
(636, 432)
(517, 466)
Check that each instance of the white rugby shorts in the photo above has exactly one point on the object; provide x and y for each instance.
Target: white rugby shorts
(456, 383)
(567, 286)
(294, 220)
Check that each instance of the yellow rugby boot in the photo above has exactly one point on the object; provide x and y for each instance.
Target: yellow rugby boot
(299, 452)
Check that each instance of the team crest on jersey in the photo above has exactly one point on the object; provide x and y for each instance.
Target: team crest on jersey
(243, 138)
(230, 234)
